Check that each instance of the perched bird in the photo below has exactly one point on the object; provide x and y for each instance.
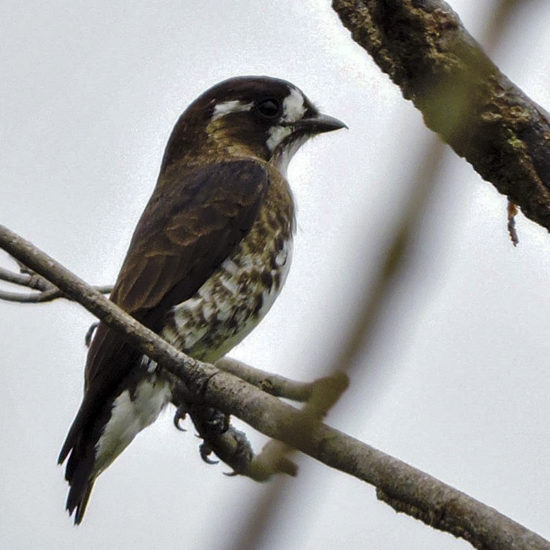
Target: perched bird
(206, 261)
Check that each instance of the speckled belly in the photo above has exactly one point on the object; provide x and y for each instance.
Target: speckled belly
(231, 302)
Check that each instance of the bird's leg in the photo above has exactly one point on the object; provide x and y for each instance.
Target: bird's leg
(211, 425)
(180, 415)
(212, 421)
(180, 397)
(214, 427)
(219, 437)
(222, 439)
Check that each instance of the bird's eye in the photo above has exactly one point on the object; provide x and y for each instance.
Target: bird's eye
(269, 108)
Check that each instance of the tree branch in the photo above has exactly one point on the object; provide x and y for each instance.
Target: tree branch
(405, 488)
(424, 48)
(46, 291)
(44, 296)
(280, 386)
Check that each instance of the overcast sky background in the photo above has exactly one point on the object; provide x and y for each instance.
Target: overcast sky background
(90, 93)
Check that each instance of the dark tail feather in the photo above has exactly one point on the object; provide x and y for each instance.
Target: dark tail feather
(79, 475)
(67, 445)
(75, 432)
(79, 501)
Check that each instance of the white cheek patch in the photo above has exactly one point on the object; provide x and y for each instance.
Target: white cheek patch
(233, 106)
(293, 109)
(276, 135)
(293, 106)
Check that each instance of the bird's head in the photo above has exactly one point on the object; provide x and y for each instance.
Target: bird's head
(256, 116)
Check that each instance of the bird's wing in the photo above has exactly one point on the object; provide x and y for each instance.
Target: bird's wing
(190, 225)
(185, 233)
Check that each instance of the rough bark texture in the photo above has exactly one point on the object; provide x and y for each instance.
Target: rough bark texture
(424, 48)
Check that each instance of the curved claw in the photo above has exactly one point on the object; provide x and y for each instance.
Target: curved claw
(230, 474)
(205, 450)
(180, 414)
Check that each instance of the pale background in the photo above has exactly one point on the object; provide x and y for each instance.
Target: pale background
(90, 92)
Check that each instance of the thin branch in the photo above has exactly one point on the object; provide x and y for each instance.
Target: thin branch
(22, 279)
(44, 296)
(29, 279)
(463, 96)
(280, 386)
(404, 487)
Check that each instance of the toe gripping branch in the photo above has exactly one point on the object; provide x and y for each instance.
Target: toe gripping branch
(230, 445)
(219, 437)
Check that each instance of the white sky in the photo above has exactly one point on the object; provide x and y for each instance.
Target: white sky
(90, 93)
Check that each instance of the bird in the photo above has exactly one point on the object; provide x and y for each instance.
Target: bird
(206, 261)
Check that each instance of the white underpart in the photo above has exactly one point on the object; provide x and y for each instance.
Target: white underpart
(187, 334)
(285, 154)
(227, 107)
(129, 415)
(283, 260)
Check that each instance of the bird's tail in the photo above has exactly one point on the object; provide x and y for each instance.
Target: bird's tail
(79, 474)
(92, 447)
(79, 500)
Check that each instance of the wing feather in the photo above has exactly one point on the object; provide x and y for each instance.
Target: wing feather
(192, 222)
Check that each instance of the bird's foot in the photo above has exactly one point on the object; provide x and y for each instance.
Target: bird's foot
(179, 416)
(206, 450)
(213, 423)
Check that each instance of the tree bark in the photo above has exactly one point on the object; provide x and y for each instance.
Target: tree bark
(424, 48)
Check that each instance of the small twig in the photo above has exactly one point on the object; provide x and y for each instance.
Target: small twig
(30, 279)
(34, 298)
(324, 394)
(26, 277)
(512, 213)
(45, 296)
(274, 384)
(34, 281)
(22, 279)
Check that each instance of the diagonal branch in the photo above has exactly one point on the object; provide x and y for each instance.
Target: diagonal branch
(426, 51)
(280, 386)
(405, 488)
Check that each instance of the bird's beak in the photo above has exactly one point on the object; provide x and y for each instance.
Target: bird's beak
(319, 124)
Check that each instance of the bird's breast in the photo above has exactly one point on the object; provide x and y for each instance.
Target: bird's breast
(236, 297)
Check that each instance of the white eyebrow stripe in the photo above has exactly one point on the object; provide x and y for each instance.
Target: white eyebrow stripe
(293, 106)
(232, 106)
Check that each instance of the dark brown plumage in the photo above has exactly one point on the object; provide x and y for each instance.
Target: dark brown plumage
(206, 261)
